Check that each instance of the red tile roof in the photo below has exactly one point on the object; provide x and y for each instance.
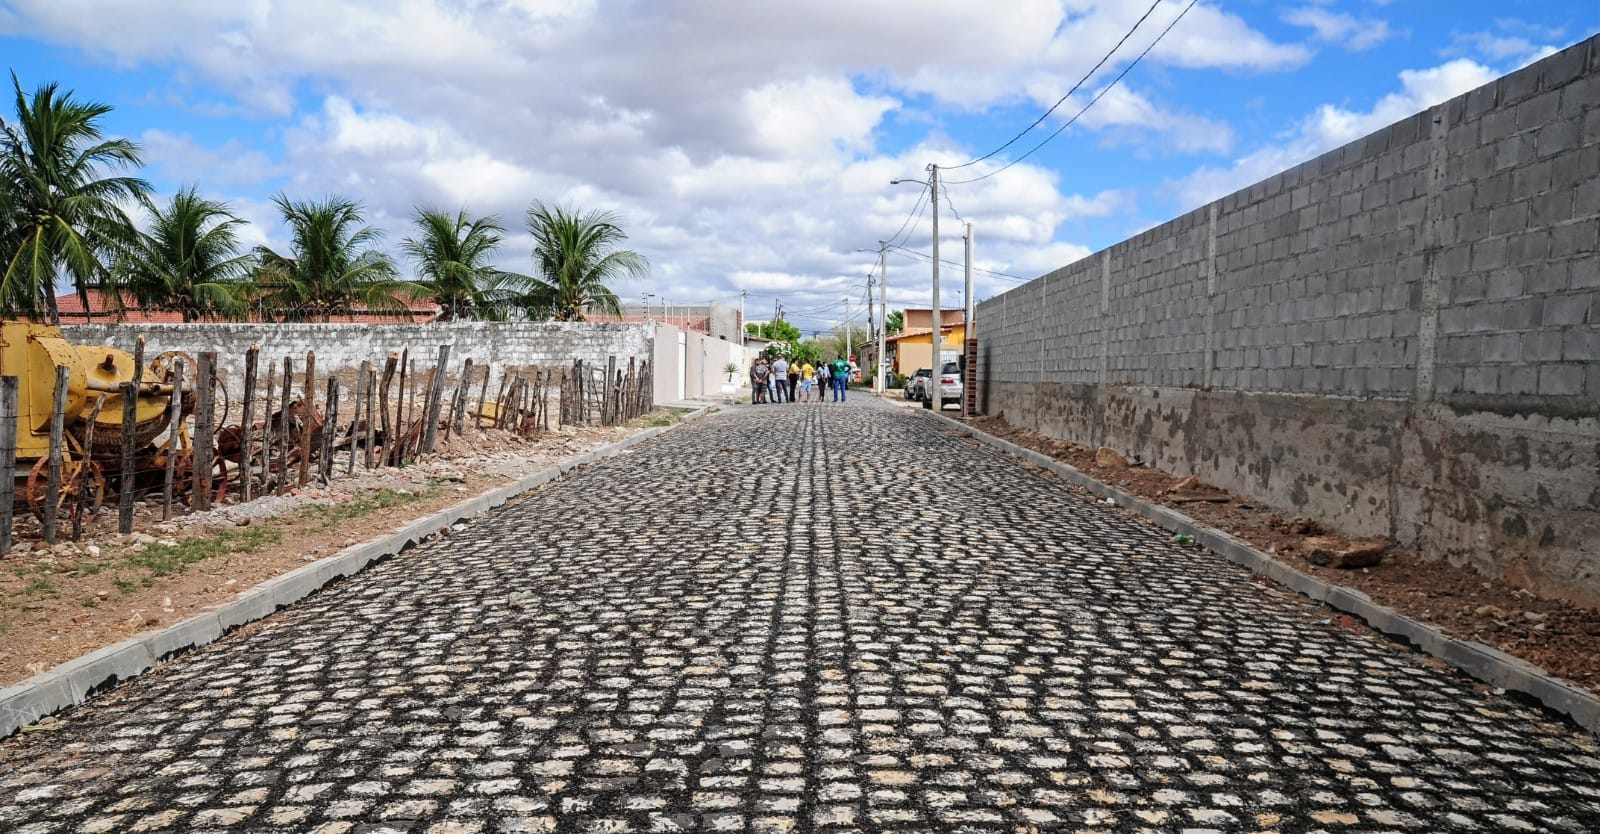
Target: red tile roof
(71, 309)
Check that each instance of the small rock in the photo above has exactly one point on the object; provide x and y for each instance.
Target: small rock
(1489, 611)
(245, 522)
(1110, 458)
(102, 595)
(1534, 616)
(166, 604)
(1338, 553)
(93, 550)
(167, 542)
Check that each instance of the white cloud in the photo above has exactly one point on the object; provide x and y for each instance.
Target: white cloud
(1353, 33)
(1330, 126)
(816, 115)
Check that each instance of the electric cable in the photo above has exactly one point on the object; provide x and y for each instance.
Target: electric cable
(1068, 123)
(1060, 101)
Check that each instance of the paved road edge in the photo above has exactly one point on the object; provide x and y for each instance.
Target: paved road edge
(1485, 663)
(76, 681)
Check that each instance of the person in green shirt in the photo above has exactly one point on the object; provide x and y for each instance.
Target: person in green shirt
(840, 375)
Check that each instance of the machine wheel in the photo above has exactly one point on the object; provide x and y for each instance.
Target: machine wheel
(72, 475)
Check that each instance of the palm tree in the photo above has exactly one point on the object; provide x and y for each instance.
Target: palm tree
(331, 268)
(189, 261)
(63, 210)
(575, 258)
(453, 255)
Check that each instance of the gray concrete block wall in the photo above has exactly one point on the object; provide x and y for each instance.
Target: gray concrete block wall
(1401, 335)
(1519, 291)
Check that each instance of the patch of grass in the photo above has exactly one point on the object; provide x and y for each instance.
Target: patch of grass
(124, 585)
(362, 505)
(40, 588)
(160, 559)
(659, 422)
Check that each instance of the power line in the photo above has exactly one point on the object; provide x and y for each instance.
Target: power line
(1060, 101)
(926, 258)
(1068, 123)
(913, 219)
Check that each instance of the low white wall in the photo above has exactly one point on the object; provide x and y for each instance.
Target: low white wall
(346, 346)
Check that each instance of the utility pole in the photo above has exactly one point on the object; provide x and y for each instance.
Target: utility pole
(742, 294)
(883, 317)
(932, 401)
(968, 331)
(848, 330)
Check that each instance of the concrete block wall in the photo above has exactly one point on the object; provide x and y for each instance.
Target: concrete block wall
(346, 346)
(1400, 337)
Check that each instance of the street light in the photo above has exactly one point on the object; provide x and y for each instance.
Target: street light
(938, 331)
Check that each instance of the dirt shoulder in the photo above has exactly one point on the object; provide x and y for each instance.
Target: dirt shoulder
(1559, 636)
(62, 602)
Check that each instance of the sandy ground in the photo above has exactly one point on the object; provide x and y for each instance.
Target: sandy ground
(61, 602)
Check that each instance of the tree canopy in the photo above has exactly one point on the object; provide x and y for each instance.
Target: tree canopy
(576, 257)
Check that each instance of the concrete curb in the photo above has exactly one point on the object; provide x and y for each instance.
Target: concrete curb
(1485, 663)
(75, 681)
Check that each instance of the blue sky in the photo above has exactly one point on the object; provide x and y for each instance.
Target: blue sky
(749, 146)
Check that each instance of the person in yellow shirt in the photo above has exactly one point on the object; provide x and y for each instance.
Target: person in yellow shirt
(807, 375)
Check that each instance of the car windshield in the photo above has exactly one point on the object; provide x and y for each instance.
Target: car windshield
(950, 368)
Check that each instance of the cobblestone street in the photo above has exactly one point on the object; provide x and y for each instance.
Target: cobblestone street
(751, 625)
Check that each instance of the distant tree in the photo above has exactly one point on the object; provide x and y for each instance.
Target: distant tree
(63, 210)
(189, 261)
(777, 330)
(896, 322)
(453, 257)
(331, 267)
(576, 258)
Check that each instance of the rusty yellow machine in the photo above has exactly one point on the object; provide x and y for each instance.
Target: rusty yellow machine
(32, 353)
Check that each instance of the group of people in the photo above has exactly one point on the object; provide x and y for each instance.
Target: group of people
(781, 380)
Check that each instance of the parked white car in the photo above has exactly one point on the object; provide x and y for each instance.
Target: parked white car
(950, 388)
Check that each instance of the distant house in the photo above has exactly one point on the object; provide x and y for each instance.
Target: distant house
(100, 310)
(912, 348)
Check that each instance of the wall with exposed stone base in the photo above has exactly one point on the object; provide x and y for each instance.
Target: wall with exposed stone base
(1400, 337)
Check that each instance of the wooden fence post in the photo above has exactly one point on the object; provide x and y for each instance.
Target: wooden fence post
(283, 426)
(129, 391)
(130, 411)
(372, 384)
(458, 414)
(205, 417)
(175, 409)
(8, 458)
(330, 430)
(357, 428)
(266, 429)
(383, 407)
(430, 432)
(247, 450)
(308, 392)
(58, 416)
